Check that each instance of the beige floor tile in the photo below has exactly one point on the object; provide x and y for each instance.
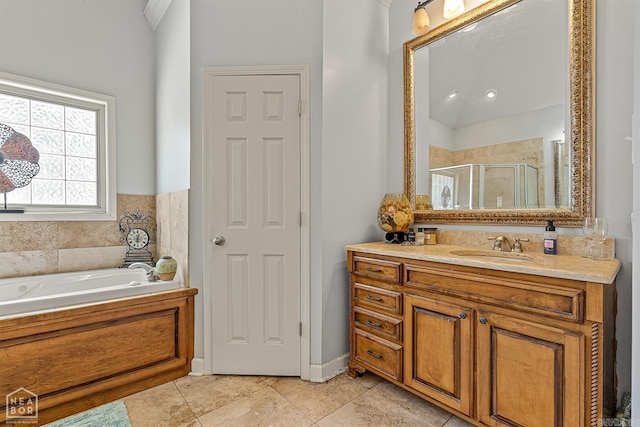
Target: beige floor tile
(457, 422)
(262, 408)
(317, 400)
(160, 406)
(387, 405)
(209, 392)
(368, 380)
(193, 423)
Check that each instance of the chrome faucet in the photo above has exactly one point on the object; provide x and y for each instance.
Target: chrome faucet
(498, 243)
(152, 273)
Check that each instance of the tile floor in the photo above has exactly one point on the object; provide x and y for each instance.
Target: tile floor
(221, 400)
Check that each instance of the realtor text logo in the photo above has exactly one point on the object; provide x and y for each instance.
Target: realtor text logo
(22, 407)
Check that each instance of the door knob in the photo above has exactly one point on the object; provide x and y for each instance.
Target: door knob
(218, 240)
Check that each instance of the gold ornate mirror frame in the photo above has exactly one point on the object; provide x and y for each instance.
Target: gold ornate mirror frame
(582, 120)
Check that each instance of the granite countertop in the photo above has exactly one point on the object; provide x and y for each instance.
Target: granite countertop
(560, 266)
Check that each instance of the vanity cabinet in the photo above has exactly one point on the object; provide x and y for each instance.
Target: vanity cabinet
(439, 357)
(497, 348)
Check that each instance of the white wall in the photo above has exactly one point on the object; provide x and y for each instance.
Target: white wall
(345, 45)
(173, 126)
(614, 174)
(251, 32)
(613, 124)
(101, 46)
(354, 117)
(635, 302)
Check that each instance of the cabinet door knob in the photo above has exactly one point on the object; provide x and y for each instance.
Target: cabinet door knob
(463, 315)
(483, 320)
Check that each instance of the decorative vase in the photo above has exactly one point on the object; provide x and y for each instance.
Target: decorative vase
(166, 268)
(395, 216)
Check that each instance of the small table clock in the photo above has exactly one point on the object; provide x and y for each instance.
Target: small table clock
(137, 229)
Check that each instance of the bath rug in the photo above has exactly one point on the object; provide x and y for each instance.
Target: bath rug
(112, 414)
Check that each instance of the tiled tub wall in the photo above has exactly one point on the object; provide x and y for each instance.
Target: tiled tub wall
(172, 210)
(29, 248)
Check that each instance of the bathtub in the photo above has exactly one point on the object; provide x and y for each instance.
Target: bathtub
(79, 340)
(54, 291)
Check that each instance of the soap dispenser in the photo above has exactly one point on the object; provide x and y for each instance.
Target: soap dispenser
(550, 239)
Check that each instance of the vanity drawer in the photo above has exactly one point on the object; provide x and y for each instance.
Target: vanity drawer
(546, 300)
(377, 268)
(378, 324)
(381, 355)
(377, 298)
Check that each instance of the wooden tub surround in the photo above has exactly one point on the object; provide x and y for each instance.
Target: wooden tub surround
(79, 358)
(494, 346)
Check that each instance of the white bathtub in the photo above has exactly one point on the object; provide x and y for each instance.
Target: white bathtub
(53, 291)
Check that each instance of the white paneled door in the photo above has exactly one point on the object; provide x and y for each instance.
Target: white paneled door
(255, 223)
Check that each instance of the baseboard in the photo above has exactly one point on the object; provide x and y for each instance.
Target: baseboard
(322, 373)
(317, 373)
(197, 366)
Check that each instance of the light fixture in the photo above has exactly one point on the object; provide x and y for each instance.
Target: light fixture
(452, 8)
(491, 93)
(421, 21)
(452, 94)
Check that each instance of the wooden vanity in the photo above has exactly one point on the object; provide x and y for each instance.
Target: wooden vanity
(496, 342)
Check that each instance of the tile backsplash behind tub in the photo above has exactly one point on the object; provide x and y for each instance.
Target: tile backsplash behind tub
(30, 248)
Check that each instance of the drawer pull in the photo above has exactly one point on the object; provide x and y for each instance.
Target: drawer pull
(374, 270)
(370, 298)
(483, 320)
(373, 325)
(372, 354)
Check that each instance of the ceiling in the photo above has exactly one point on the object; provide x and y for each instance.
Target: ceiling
(520, 52)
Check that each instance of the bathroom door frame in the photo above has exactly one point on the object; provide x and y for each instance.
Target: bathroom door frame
(302, 71)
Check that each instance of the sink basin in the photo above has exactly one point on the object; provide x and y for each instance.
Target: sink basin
(494, 255)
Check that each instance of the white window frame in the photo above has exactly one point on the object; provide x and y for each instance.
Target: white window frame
(106, 107)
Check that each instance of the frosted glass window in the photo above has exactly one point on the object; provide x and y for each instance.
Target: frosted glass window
(79, 169)
(81, 145)
(14, 110)
(46, 115)
(47, 192)
(81, 193)
(73, 131)
(47, 141)
(81, 121)
(51, 167)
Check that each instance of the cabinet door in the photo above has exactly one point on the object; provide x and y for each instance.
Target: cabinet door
(528, 374)
(439, 351)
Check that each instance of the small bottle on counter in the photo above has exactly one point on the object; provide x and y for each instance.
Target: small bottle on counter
(550, 239)
(430, 236)
(411, 237)
(420, 236)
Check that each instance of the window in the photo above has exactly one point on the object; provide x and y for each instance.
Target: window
(74, 132)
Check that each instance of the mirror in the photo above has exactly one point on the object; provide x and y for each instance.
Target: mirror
(522, 156)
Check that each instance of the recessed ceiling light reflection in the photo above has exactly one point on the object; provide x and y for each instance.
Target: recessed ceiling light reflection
(452, 94)
(491, 93)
